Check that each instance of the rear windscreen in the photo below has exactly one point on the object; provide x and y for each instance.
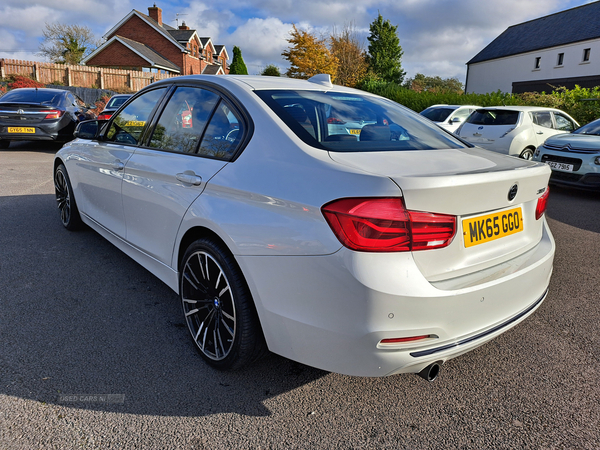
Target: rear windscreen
(32, 96)
(493, 117)
(437, 114)
(352, 122)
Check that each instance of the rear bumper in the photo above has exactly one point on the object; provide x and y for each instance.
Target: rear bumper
(331, 312)
(61, 131)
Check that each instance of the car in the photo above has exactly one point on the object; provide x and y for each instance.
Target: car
(112, 105)
(368, 256)
(40, 114)
(514, 130)
(449, 117)
(574, 158)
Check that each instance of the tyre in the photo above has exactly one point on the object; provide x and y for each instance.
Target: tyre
(69, 214)
(527, 154)
(4, 143)
(218, 307)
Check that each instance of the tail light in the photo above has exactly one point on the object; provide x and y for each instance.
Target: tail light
(104, 116)
(385, 225)
(335, 120)
(53, 114)
(542, 203)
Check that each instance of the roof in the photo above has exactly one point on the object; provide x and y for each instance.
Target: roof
(213, 69)
(182, 35)
(573, 25)
(143, 51)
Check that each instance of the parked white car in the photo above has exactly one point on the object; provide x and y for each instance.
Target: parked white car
(515, 130)
(383, 252)
(449, 117)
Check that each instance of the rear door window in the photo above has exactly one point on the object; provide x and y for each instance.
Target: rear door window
(542, 118)
(184, 120)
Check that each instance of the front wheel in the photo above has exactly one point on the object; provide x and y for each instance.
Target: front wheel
(527, 154)
(218, 307)
(69, 214)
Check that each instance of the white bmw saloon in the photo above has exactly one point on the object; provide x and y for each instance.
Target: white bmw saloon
(382, 247)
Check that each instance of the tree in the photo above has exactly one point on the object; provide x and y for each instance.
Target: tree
(308, 56)
(385, 54)
(436, 85)
(271, 71)
(238, 66)
(67, 44)
(349, 51)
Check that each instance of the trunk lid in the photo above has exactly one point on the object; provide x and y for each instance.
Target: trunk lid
(473, 185)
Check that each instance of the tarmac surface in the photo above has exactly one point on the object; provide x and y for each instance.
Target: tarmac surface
(95, 354)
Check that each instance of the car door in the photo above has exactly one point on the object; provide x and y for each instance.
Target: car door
(100, 173)
(543, 126)
(193, 139)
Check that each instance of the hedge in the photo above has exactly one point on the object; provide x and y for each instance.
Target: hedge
(582, 104)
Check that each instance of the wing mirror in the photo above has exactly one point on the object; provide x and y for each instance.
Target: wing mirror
(88, 129)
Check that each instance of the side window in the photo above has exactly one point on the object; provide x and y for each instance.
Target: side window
(71, 99)
(127, 126)
(563, 123)
(224, 132)
(461, 115)
(184, 119)
(543, 119)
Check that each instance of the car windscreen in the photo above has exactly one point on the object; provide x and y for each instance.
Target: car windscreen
(493, 117)
(115, 102)
(590, 128)
(437, 114)
(351, 122)
(32, 96)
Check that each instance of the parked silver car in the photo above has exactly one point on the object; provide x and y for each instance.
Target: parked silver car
(575, 157)
(514, 130)
(383, 252)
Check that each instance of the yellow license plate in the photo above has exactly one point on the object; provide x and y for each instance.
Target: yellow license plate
(135, 123)
(21, 130)
(481, 229)
(354, 131)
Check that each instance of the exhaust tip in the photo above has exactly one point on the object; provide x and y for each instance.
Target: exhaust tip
(430, 372)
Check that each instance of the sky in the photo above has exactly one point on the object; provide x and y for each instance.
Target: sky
(438, 37)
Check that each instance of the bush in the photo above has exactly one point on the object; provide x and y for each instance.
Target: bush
(581, 103)
(19, 81)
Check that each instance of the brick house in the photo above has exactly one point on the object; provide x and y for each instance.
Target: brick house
(144, 42)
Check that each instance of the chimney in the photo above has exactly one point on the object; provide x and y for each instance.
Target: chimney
(183, 26)
(155, 13)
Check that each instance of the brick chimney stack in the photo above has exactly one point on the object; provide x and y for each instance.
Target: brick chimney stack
(155, 13)
(183, 26)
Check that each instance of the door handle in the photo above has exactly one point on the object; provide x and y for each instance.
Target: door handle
(540, 132)
(118, 165)
(189, 177)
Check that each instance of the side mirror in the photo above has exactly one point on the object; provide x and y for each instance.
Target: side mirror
(88, 129)
(455, 120)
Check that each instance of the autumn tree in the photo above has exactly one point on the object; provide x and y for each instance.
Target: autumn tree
(308, 56)
(238, 66)
(385, 53)
(436, 84)
(67, 44)
(271, 71)
(347, 47)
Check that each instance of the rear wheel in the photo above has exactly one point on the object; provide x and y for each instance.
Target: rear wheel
(218, 307)
(527, 154)
(69, 214)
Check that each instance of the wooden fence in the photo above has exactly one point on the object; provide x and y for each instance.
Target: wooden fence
(83, 76)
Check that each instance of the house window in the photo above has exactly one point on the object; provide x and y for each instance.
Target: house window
(586, 54)
(560, 60)
(538, 61)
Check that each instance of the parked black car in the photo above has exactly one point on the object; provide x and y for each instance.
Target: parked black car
(32, 114)
(113, 104)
